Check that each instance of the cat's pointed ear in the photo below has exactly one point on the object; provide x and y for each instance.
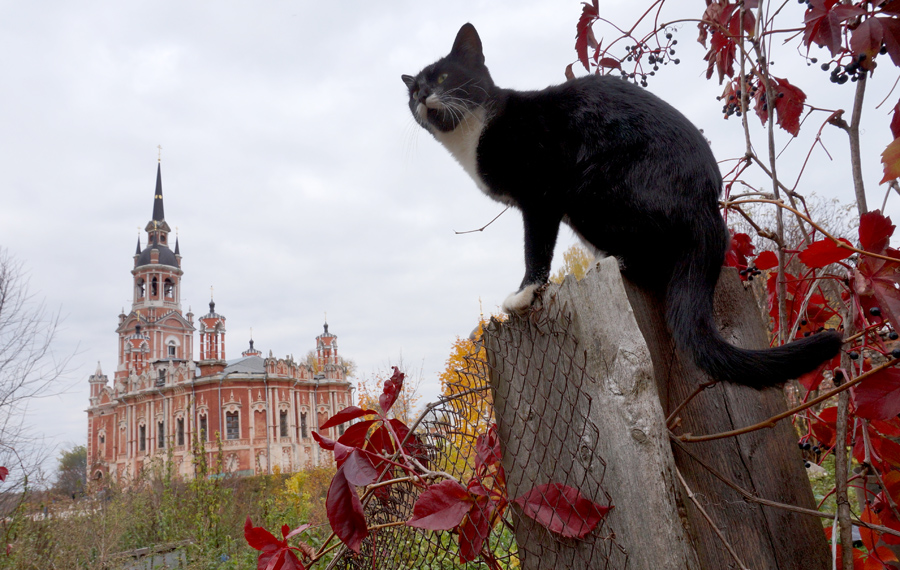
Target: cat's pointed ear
(468, 45)
(409, 80)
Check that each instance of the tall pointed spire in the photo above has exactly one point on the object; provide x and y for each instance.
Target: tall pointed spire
(158, 213)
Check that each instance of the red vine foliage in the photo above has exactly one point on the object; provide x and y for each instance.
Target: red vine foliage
(379, 451)
(827, 281)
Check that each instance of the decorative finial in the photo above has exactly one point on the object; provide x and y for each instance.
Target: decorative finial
(159, 157)
(210, 292)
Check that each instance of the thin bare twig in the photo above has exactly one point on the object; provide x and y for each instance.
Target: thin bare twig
(777, 418)
(482, 228)
(718, 532)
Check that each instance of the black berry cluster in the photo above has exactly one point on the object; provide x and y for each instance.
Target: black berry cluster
(732, 104)
(852, 71)
(809, 450)
(661, 55)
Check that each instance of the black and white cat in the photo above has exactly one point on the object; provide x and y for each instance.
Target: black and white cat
(631, 176)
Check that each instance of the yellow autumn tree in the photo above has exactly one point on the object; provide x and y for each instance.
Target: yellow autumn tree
(576, 260)
(465, 377)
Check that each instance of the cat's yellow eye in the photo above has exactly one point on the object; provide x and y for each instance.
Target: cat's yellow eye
(441, 78)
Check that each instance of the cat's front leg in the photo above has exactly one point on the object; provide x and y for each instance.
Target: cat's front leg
(541, 229)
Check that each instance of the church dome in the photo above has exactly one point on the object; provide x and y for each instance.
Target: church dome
(166, 256)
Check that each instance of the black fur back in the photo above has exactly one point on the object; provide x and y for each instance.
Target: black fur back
(630, 174)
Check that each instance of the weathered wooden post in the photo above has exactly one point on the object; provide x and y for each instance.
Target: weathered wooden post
(582, 388)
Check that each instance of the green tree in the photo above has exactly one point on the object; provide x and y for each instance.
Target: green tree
(71, 473)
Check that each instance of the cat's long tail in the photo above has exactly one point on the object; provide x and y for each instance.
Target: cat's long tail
(689, 314)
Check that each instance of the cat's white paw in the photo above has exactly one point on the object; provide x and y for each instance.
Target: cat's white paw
(521, 301)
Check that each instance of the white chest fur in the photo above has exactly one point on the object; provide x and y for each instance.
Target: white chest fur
(462, 142)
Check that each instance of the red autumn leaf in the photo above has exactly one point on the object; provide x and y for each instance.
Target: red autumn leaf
(358, 468)
(345, 513)
(487, 448)
(381, 441)
(723, 21)
(822, 426)
(413, 446)
(878, 397)
(881, 505)
(274, 554)
(740, 249)
(822, 23)
(610, 63)
(441, 506)
(391, 390)
(880, 278)
(891, 28)
(869, 537)
(583, 32)
(561, 509)
(875, 231)
(475, 528)
(346, 415)
(788, 105)
(256, 536)
(766, 260)
(889, 428)
(824, 252)
(734, 22)
(890, 158)
(355, 435)
(867, 38)
(890, 7)
(885, 452)
(324, 442)
(4, 473)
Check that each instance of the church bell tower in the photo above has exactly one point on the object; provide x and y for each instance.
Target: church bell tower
(155, 336)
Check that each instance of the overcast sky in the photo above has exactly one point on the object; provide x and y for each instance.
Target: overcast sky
(292, 168)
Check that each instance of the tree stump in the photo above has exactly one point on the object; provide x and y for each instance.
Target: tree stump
(582, 388)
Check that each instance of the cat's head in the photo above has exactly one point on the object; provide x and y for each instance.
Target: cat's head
(443, 94)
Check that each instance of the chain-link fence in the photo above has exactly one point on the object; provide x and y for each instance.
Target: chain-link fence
(551, 477)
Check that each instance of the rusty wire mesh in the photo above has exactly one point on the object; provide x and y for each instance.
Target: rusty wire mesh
(546, 433)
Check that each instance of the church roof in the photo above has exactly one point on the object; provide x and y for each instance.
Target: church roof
(247, 365)
(156, 225)
(166, 256)
(158, 213)
(158, 221)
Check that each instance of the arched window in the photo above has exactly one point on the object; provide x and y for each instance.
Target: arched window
(169, 289)
(232, 426)
(154, 287)
(283, 423)
(171, 347)
(139, 289)
(179, 431)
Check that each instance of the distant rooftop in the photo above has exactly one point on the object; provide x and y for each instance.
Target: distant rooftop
(246, 364)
